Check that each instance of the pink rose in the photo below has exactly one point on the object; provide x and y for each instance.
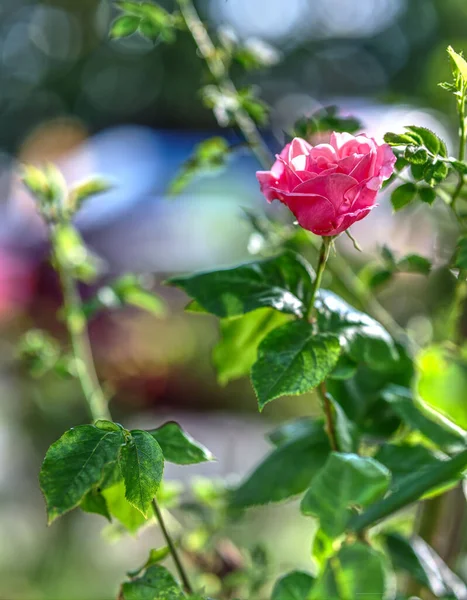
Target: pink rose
(329, 187)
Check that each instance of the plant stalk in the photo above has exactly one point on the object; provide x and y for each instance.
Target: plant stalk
(327, 410)
(173, 550)
(95, 399)
(326, 242)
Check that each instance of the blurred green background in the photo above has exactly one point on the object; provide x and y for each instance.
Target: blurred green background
(132, 111)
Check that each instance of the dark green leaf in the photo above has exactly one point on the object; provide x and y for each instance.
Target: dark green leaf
(293, 360)
(404, 459)
(435, 173)
(124, 26)
(236, 352)
(283, 282)
(401, 400)
(413, 263)
(403, 195)
(294, 429)
(344, 481)
(355, 572)
(94, 502)
(344, 369)
(346, 431)
(460, 256)
(430, 140)
(286, 471)
(178, 446)
(461, 167)
(363, 338)
(156, 584)
(416, 155)
(155, 556)
(74, 464)
(414, 488)
(427, 194)
(418, 559)
(142, 465)
(295, 585)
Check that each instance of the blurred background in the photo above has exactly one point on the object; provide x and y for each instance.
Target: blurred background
(131, 111)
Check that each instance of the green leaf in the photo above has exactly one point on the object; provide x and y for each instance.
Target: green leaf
(142, 464)
(401, 400)
(403, 460)
(418, 559)
(129, 290)
(293, 360)
(178, 446)
(124, 26)
(414, 488)
(155, 556)
(435, 173)
(344, 481)
(283, 283)
(401, 139)
(403, 195)
(426, 194)
(460, 255)
(461, 167)
(74, 464)
(355, 572)
(94, 502)
(346, 430)
(209, 157)
(81, 192)
(459, 62)
(430, 140)
(302, 427)
(156, 584)
(295, 585)
(286, 471)
(344, 369)
(71, 252)
(416, 155)
(119, 507)
(362, 338)
(237, 351)
(441, 384)
(414, 263)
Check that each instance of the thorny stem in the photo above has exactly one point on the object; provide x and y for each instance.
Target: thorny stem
(173, 550)
(97, 403)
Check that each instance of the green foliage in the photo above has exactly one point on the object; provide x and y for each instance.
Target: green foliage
(403, 195)
(295, 585)
(237, 351)
(227, 103)
(71, 252)
(283, 283)
(81, 192)
(417, 558)
(346, 431)
(288, 469)
(362, 338)
(460, 65)
(293, 360)
(147, 18)
(441, 384)
(142, 464)
(129, 517)
(460, 256)
(156, 555)
(209, 158)
(345, 481)
(325, 119)
(74, 465)
(48, 186)
(94, 502)
(155, 584)
(356, 571)
(178, 446)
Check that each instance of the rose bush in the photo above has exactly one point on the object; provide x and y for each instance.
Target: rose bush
(329, 187)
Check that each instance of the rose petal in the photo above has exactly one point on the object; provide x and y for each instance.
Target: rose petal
(333, 187)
